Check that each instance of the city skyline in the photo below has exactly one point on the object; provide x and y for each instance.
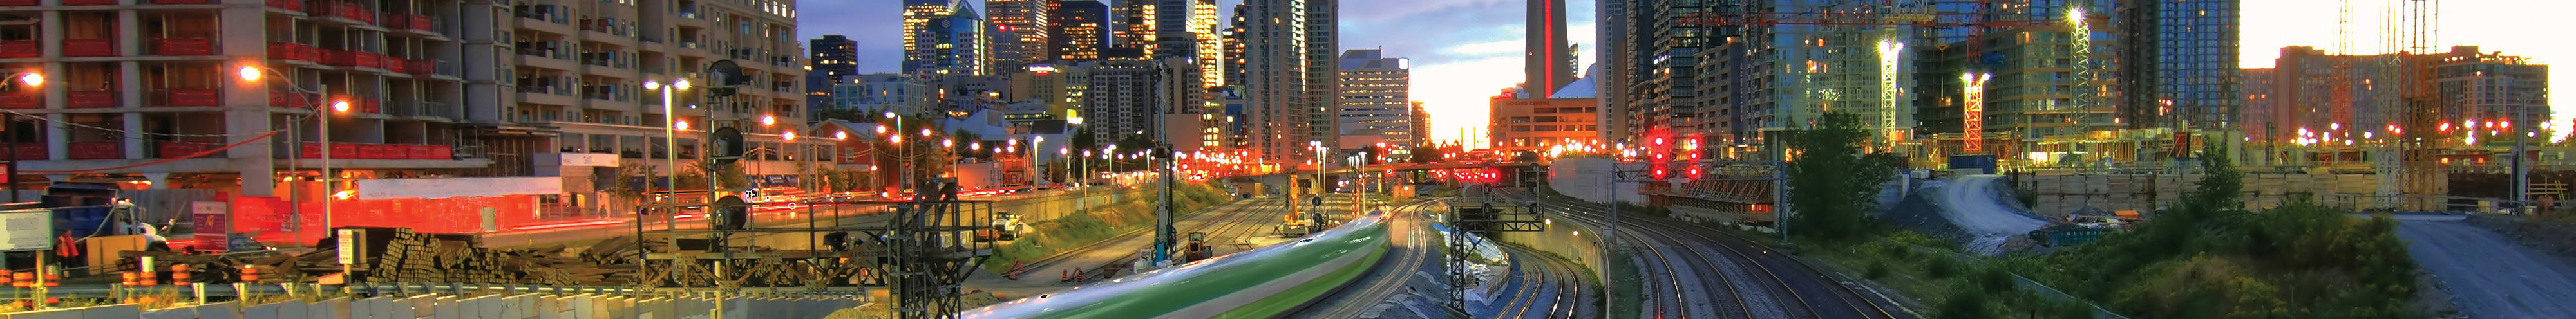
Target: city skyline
(1457, 68)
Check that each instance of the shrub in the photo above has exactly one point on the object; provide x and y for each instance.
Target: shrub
(1942, 268)
(1875, 270)
(1964, 305)
(1995, 280)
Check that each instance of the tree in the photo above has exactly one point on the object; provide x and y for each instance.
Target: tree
(1832, 183)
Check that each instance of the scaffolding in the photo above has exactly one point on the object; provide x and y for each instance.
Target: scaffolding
(920, 250)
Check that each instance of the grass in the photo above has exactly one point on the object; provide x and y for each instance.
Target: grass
(1100, 223)
(1976, 288)
(1627, 289)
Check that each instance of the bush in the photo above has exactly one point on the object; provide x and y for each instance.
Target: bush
(1964, 305)
(1875, 270)
(1995, 280)
(1942, 268)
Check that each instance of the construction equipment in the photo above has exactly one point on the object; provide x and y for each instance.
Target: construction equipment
(1196, 249)
(1006, 226)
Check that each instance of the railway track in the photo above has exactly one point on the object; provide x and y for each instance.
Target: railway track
(1804, 292)
(1565, 300)
(1382, 280)
(1679, 271)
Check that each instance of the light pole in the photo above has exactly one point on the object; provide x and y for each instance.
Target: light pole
(36, 80)
(671, 126)
(252, 73)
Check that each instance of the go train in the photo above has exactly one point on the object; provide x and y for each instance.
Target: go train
(1264, 282)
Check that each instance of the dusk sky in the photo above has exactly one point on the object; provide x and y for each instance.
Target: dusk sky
(1464, 51)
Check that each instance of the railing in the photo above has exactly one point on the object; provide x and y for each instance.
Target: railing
(183, 46)
(89, 47)
(92, 99)
(31, 152)
(290, 99)
(289, 5)
(96, 150)
(183, 1)
(351, 11)
(434, 109)
(292, 51)
(22, 100)
(89, 2)
(380, 151)
(420, 66)
(191, 97)
(21, 49)
(176, 149)
(17, 3)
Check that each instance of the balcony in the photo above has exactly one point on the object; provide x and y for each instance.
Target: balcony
(422, 67)
(351, 11)
(380, 151)
(397, 65)
(183, 1)
(177, 149)
(289, 5)
(96, 150)
(296, 52)
(191, 97)
(183, 46)
(409, 21)
(17, 3)
(22, 100)
(32, 152)
(92, 99)
(21, 49)
(290, 99)
(89, 2)
(89, 47)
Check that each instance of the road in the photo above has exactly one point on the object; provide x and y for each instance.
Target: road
(1697, 272)
(1406, 284)
(2487, 275)
(1970, 202)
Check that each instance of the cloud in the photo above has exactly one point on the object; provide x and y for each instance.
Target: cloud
(1487, 48)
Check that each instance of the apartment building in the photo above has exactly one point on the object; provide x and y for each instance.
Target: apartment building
(222, 95)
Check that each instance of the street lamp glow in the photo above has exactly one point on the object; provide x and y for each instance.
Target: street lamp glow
(789, 135)
(339, 106)
(925, 132)
(840, 135)
(889, 114)
(681, 84)
(249, 73)
(767, 120)
(650, 85)
(947, 142)
(680, 125)
(881, 129)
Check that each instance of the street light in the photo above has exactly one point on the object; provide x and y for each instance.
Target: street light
(30, 79)
(767, 120)
(253, 73)
(671, 137)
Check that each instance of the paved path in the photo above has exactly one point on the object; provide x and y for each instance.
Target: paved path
(1970, 202)
(2487, 275)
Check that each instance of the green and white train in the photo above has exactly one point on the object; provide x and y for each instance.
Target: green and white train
(1260, 283)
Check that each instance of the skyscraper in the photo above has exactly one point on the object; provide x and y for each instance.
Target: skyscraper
(2179, 61)
(1376, 97)
(916, 19)
(1323, 44)
(1284, 95)
(835, 56)
(953, 44)
(1661, 59)
(1610, 70)
(1080, 29)
(1136, 25)
(1545, 58)
(1020, 33)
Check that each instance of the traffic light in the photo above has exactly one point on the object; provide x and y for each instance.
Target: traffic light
(727, 147)
(731, 213)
